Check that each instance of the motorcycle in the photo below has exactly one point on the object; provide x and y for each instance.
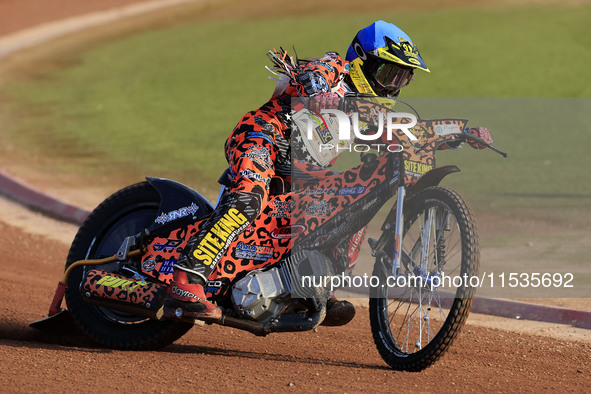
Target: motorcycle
(121, 261)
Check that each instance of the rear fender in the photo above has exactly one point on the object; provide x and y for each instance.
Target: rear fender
(178, 201)
(430, 178)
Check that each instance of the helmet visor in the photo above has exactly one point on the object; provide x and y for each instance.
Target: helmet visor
(392, 77)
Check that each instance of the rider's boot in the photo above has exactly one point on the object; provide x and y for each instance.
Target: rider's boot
(190, 297)
(338, 313)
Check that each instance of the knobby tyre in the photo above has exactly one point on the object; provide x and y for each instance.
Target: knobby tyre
(126, 212)
(415, 324)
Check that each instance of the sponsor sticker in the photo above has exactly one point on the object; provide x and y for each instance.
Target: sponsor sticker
(177, 214)
(416, 168)
(148, 265)
(170, 245)
(253, 252)
(259, 155)
(120, 283)
(213, 286)
(167, 266)
(313, 192)
(208, 250)
(282, 209)
(445, 129)
(351, 191)
(319, 209)
(288, 231)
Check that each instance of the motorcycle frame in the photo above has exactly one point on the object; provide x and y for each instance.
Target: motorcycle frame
(431, 178)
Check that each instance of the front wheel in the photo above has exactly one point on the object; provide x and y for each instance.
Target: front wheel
(416, 314)
(127, 212)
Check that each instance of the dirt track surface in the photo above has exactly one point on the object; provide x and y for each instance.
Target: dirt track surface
(216, 358)
(211, 358)
(20, 14)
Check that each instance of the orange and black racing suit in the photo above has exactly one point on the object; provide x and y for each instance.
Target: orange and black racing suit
(259, 144)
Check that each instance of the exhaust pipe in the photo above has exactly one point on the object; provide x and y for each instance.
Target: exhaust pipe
(146, 299)
(292, 322)
(118, 292)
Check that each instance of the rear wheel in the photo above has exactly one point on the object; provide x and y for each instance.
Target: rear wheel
(415, 319)
(127, 212)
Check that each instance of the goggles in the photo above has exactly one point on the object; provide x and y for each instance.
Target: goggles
(390, 76)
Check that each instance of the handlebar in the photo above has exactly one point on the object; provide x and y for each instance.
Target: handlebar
(469, 137)
(463, 137)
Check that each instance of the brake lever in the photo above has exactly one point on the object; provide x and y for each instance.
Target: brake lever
(472, 137)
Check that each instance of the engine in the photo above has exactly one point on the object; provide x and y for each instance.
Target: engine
(263, 295)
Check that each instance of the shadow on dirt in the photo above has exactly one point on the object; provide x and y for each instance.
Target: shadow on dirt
(288, 357)
(20, 331)
(12, 330)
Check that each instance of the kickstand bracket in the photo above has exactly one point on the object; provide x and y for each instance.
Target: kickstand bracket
(128, 243)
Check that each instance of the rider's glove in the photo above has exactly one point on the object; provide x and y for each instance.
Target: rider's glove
(326, 100)
(480, 132)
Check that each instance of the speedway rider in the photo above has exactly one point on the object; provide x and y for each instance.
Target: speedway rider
(380, 61)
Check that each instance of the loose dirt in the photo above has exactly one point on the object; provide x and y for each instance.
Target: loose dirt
(524, 356)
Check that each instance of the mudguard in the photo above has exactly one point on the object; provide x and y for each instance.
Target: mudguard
(178, 201)
(430, 178)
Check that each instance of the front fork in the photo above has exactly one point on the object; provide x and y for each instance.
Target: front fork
(398, 230)
(399, 217)
(441, 224)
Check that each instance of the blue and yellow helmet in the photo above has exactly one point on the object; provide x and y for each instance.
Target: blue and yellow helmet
(382, 60)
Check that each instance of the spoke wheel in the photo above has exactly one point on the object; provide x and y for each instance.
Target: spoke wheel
(127, 212)
(417, 314)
